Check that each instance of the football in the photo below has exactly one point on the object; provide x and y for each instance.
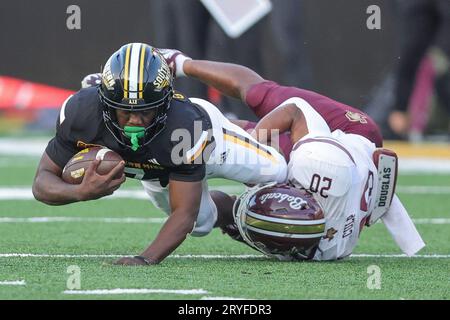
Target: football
(76, 167)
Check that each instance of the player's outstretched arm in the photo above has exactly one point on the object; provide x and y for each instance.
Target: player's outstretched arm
(185, 203)
(231, 79)
(48, 187)
(282, 119)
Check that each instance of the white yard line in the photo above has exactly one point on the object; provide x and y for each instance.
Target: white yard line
(208, 256)
(95, 256)
(46, 255)
(81, 219)
(24, 193)
(146, 220)
(13, 283)
(134, 291)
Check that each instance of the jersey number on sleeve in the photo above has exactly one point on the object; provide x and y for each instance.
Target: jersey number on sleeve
(319, 183)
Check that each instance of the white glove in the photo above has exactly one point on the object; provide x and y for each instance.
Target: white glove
(91, 80)
(175, 59)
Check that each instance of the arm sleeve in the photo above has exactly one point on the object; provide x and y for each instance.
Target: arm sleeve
(260, 99)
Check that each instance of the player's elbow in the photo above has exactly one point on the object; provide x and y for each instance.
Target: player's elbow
(187, 225)
(39, 193)
(36, 188)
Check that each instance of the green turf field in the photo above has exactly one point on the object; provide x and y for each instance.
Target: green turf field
(208, 267)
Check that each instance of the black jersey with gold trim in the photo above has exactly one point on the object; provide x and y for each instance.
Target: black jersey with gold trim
(179, 152)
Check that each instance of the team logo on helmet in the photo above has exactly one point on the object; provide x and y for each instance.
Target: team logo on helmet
(294, 202)
(107, 76)
(356, 117)
(163, 76)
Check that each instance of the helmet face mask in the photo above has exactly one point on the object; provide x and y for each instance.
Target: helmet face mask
(124, 137)
(135, 78)
(280, 221)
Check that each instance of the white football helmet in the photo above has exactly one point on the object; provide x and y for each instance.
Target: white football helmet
(280, 221)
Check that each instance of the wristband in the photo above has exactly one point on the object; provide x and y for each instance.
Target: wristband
(180, 59)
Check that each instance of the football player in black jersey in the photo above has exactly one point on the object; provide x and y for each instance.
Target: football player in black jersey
(171, 143)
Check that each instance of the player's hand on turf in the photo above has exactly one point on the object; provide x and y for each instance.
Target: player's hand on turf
(175, 59)
(130, 261)
(95, 186)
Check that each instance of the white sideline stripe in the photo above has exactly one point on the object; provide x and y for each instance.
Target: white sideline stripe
(432, 221)
(35, 147)
(423, 189)
(134, 291)
(24, 193)
(428, 256)
(23, 147)
(13, 283)
(424, 165)
(147, 220)
(209, 256)
(81, 219)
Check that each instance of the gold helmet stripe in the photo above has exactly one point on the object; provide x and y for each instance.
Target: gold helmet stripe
(141, 72)
(127, 68)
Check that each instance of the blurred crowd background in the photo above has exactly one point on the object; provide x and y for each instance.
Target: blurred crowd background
(398, 74)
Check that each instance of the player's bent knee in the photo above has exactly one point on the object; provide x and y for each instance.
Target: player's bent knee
(199, 233)
(158, 195)
(201, 230)
(207, 217)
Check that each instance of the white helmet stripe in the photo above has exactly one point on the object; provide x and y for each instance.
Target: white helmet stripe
(286, 235)
(134, 70)
(285, 221)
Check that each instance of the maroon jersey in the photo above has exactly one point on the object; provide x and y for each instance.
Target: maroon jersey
(263, 97)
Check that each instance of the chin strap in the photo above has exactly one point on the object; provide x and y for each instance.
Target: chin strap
(134, 133)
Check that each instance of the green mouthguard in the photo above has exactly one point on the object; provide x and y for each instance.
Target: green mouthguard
(134, 133)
